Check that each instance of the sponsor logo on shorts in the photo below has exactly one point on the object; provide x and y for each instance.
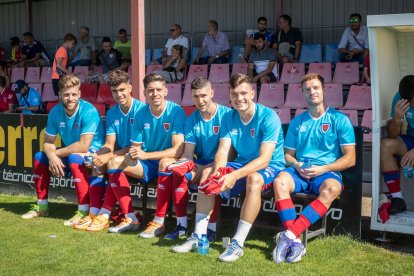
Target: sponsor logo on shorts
(180, 190)
(113, 185)
(75, 180)
(161, 186)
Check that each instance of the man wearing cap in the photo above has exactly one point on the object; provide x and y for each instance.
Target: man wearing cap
(29, 99)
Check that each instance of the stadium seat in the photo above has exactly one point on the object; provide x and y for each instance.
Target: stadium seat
(239, 68)
(187, 100)
(50, 105)
(152, 68)
(346, 73)
(219, 73)
(352, 115)
(36, 86)
(272, 95)
(299, 111)
(82, 72)
(194, 53)
(221, 93)
(310, 53)
(174, 92)
(294, 97)
(32, 74)
(324, 69)
(359, 98)
(100, 108)
(17, 73)
(235, 52)
(104, 95)
(47, 94)
(197, 71)
(88, 91)
(366, 125)
(292, 73)
(284, 114)
(333, 95)
(331, 53)
(157, 53)
(46, 75)
(188, 110)
(147, 56)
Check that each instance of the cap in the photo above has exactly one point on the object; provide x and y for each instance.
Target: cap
(19, 85)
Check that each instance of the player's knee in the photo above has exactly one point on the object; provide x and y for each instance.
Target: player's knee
(331, 191)
(280, 187)
(254, 182)
(387, 145)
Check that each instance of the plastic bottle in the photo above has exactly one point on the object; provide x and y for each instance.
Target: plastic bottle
(89, 161)
(408, 172)
(306, 164)
(203, 245)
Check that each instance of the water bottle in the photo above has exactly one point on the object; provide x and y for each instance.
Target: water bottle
(203, 245)
(89, 161)
(306, 164)
(408, 172)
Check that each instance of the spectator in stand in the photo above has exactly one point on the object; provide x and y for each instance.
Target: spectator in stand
(7, 97)
(30, 101)
(249, 42)
(85, 52)
(16, 51)
(176, 39)
(173, 70)
(4, 73)
(123, 45)
(217, 45)
(34, 54)
(262, 61)
(60, 63)
(110, 59)
(354, 42)
(287, 41)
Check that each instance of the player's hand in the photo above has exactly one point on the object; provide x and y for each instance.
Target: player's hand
(314, 171)
(408, 159)
(401, 108)
(249, 41)
(56, 166)
(100, 160)
(87, 164)
(227, 182)
(133, 153)
(298, 168)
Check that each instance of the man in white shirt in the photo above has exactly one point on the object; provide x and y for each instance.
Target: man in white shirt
(176, 38)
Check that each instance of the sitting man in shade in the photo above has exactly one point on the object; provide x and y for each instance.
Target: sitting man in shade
(30, 101)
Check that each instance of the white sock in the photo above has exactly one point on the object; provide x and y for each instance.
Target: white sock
(290, 235)
(105, 212)
(182, 221)
(242, 231)
(397, 194)
(83, 208)
(201, 224)
(158, 220)
(42, 202)
(132, 216)
(297, 240)
(212, 226)
(94, 211)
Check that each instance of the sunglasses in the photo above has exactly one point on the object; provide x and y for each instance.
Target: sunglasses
(172, 30)
(354, 20)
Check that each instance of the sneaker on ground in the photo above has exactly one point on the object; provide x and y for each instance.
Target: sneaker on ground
(126, 225)
(211, 235)
(75, 219)
(84, 223)
(190, 244)
(153, 229)
(282, 247)
(397, 205)
(99, 223)
(297, 250)
(232, 253)
(35, 212)
(179, 232)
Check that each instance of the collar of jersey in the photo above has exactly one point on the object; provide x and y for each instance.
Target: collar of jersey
(317, 119)
(255, 106)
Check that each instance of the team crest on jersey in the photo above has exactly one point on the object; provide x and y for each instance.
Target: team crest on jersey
(216, 129)
(77, 125)
(252, 132)
(325, 127)
(131, 121)
(167, 126)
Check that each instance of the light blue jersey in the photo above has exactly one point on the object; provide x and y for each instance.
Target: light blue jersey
(205, 134)
(32, 98)
(120, 124)
(409, 115)
(86, 120)
(320, 140)
(264, 127)
(155, 132)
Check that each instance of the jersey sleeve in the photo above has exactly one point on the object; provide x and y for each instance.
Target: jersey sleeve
(136, 133)
(90, 121)
(346, 133)
(394, 103)
(178, 122)
(291, 138)
(270, 127)
(109, 124)
(51, 126)
(189, 130)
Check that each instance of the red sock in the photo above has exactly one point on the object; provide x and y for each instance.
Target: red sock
(311, 214)
(80, 178)
(164, 190)
(110, 199)
(392, 180)
(41, 177)
(96, 191)
(120, 186)
(214, 217)
(180, 195)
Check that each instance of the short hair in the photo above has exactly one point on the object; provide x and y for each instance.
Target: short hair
(116, 77)
(238, 79)
(106, 39)
(213, 23)
(261, 18)
(122, 31)
(259, 36)
(68, 81)
(28, 34)
(86, 29)
(287, 18)
(200, 83)
(153, 78)
(69, 37)
(356, 15)
(312, 76)
(2, 81)
(14, 41)
(177, 26)
(179, 48)
(406, 87)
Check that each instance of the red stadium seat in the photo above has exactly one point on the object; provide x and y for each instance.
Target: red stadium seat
(188, 110)
(346, 72)
(46, 75)
(221, 93)
(272, 95)
(359, 98)
(104, 95)
(50, 105)
(299, 111)
(284, 114)
(187, 100)
(82, 72)
(17, 74)
(292, 73)
(366, 124)
(196, 71)
(333, 95)
(294, 97)
(239, 68)
(32, 74)
(47, 94)
(36, 86)
(100, 108)
(323, 69)
(152, 68)
(174, 92)
(352, 115)
(219, 73)
(88, 91)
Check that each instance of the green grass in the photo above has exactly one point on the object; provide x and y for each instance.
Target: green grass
(26, 247)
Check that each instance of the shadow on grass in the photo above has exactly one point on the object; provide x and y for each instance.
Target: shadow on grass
(56, 210)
